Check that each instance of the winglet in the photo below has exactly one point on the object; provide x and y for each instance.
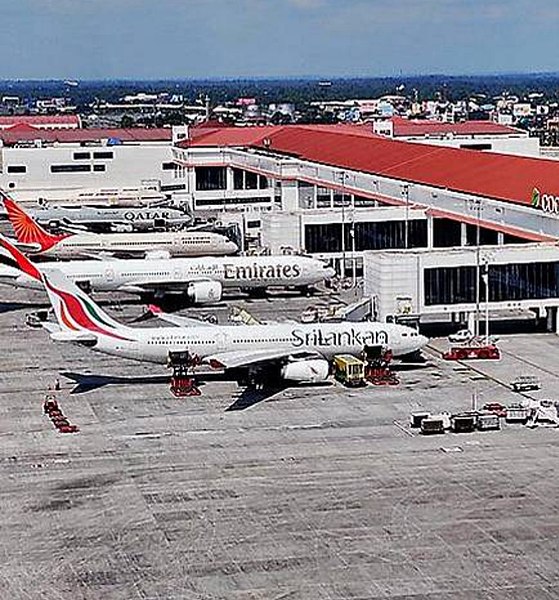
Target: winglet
(26, 230)
(11, 256)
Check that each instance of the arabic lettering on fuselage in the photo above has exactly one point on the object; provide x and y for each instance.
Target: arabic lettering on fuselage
(352, 337)
(256, 271)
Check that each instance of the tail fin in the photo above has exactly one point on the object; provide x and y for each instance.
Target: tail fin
(11, 256)
(26, 230)
(76, 312)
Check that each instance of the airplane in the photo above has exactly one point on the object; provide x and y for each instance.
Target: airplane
(106, 219)
(199, 280)
(292, 352)
(34, 239)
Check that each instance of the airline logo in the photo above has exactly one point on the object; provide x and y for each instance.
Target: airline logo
(548, 203)
(79, 313)
(26, 230)
(256, 271)
(146, 216)
(12, 257)
(318, 338)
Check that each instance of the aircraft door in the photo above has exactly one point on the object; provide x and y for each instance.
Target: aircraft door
(222, 342)
(110, 273)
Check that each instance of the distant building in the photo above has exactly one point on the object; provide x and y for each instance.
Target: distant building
(41, 121)
(469, 135)
(60, 163)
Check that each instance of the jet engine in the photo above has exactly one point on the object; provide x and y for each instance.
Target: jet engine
(204, 292)
(307, 371)
(122, 228)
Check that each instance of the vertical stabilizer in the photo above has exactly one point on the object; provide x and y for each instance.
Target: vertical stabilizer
(26, 230)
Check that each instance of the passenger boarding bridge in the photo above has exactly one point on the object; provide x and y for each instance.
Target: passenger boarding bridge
(450, 283)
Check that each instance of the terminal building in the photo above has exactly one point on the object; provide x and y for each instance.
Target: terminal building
(52, 158)
(339, 192)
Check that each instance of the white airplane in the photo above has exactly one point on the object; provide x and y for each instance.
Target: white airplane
(200, 280)
(34, 239)
(288, 351)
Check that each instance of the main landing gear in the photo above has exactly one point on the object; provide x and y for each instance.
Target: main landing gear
(377, 366)
(183, 381)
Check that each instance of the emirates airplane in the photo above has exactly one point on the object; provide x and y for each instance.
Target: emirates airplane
(289, 351)
(199, 280)
(34, 239)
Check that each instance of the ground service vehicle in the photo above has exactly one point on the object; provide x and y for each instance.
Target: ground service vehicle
(460, 337)
(349, 370)
(525, 383)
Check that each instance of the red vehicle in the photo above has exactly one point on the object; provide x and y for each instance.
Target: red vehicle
(496, 408)
(489, 351)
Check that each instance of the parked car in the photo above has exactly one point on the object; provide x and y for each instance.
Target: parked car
(525, 383)
(460, 337)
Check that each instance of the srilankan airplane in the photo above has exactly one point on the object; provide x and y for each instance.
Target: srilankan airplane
(279, 352)
(199, 280)
(34, 239)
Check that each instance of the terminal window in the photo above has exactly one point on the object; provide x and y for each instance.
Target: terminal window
(210, 178)
(378, 235)
(70, 168)
(507, 283)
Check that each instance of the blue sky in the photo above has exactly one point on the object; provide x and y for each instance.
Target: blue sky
(88, 39)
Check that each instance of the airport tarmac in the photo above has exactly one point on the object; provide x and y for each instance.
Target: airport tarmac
(316, 493)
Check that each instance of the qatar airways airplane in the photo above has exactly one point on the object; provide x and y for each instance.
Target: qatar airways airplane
(289, 351)
(34, 239)
(199, 280)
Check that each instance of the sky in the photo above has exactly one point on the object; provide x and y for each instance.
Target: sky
(160, 39)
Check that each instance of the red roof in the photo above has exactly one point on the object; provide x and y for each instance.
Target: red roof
(500, 176)
(44, 120)
(406, 127)
(26, 133)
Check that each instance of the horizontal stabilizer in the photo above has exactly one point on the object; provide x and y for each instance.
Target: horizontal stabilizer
(79, 337)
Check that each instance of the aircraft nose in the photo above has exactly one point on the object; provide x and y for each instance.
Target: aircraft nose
(422, 341)
(329, 272)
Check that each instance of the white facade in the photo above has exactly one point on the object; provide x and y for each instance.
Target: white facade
(503, 144)
(390, 275)
(59, 171)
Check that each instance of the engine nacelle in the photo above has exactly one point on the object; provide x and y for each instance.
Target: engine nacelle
(204, 292)
(308, 371)
(122, 227)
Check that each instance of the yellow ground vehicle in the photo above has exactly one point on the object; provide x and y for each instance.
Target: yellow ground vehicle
(349, 370)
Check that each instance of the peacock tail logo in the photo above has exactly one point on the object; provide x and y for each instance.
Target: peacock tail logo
(77, 313)
(536, 198)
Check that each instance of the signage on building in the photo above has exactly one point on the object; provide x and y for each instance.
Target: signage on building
(546, 202)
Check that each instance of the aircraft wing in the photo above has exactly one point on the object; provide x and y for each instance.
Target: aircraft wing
(243, 358)
(177, 319)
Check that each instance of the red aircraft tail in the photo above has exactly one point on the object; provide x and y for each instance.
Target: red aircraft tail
(26, 230)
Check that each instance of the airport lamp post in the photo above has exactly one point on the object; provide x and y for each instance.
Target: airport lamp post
(353, 259)
(406, 196)
(342, 176)
(475, 204)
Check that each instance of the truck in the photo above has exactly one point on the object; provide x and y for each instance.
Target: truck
(525, 383)
(349, 371)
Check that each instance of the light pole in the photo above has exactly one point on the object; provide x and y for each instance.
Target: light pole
(342, 176)
(406, 196)
(475, 204)
(353, 259)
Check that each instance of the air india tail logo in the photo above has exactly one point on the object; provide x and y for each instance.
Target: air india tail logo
(26, 230)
